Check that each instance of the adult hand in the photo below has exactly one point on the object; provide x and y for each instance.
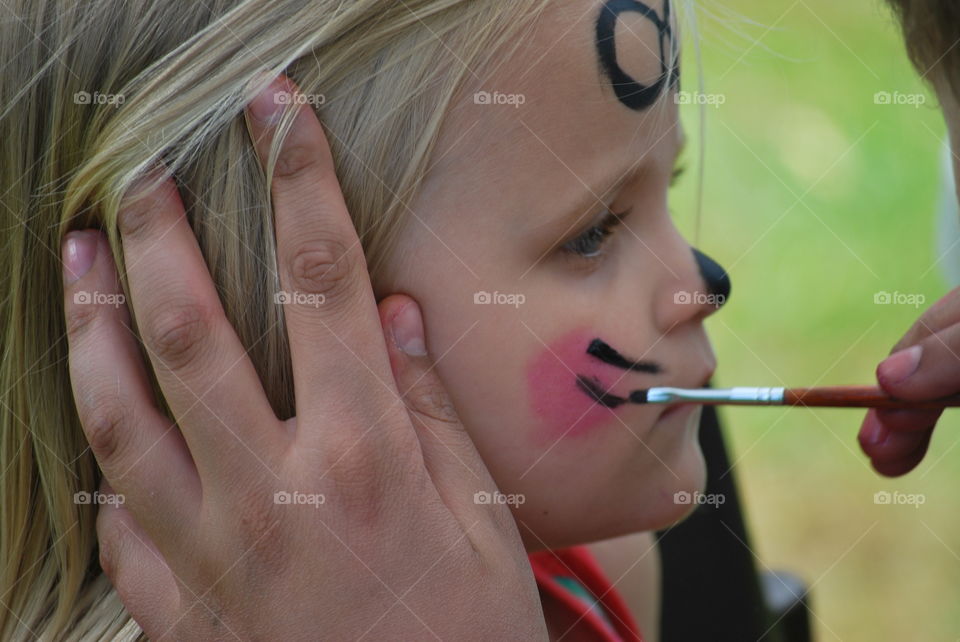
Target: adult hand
(924, 365)
(378, 534)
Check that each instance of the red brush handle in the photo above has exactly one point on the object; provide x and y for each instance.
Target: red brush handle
(858, 397)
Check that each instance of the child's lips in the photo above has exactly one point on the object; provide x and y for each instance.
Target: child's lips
(678, 408)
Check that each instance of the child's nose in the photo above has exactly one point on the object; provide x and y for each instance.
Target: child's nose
(702, 287)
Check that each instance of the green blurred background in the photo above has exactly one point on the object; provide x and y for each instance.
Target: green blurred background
(815, 199)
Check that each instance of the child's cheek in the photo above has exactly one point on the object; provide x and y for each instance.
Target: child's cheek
(560, 406)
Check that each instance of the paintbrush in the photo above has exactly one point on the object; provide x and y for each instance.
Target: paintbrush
(825, 397)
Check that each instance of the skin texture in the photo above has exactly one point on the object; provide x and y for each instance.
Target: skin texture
(493, 216)
(923, 365)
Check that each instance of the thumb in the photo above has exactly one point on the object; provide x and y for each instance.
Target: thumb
(929, 369)
(448, 451)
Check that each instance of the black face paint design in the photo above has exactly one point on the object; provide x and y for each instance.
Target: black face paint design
(716, 278)
(603, 351)
(631, 93)
(593, 389)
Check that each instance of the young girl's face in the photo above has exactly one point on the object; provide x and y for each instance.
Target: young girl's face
(518, 274)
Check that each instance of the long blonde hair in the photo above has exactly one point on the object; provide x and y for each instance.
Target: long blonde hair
(93, 93)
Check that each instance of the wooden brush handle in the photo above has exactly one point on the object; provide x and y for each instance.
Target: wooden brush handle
(858, 397)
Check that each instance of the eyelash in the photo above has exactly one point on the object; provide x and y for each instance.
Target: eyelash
(600, 232)
(595, 234)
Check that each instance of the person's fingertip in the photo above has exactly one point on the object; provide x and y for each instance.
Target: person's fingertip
(900, 365)
(896, 467)
(407, 330)
(79, 252)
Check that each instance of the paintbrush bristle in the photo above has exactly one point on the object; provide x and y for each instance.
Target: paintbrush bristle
(638, 396)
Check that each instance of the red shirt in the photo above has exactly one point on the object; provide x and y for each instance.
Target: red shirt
(573, 577)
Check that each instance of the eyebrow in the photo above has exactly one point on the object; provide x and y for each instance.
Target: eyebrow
(588, 201)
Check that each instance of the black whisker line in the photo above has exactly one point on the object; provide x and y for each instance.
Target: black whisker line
(593, 388)
(603, 351)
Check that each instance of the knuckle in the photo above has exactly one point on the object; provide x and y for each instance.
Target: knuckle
(177, 334)
(144, 205)
(135, 218)
(322, 266)
(105, 432)
(295, 159)
(80, 319)
(430, 402)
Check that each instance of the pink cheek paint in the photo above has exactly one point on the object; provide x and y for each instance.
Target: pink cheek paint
(561, 405)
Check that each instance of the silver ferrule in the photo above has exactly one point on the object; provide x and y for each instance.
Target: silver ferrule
(722, 395)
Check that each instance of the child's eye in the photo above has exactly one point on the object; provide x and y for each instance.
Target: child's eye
(590, 244)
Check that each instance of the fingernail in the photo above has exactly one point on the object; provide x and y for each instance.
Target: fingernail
(79, 250)
(267, 106)
(900, 365)
(408, 331)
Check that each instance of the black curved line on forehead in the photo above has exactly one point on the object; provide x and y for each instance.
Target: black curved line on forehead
(631, 93)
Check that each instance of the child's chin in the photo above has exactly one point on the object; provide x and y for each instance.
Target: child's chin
(679, 497)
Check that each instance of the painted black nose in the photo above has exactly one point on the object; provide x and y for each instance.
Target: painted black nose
(716, 278)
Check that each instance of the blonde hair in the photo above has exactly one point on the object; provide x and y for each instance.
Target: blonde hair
(98, 91)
